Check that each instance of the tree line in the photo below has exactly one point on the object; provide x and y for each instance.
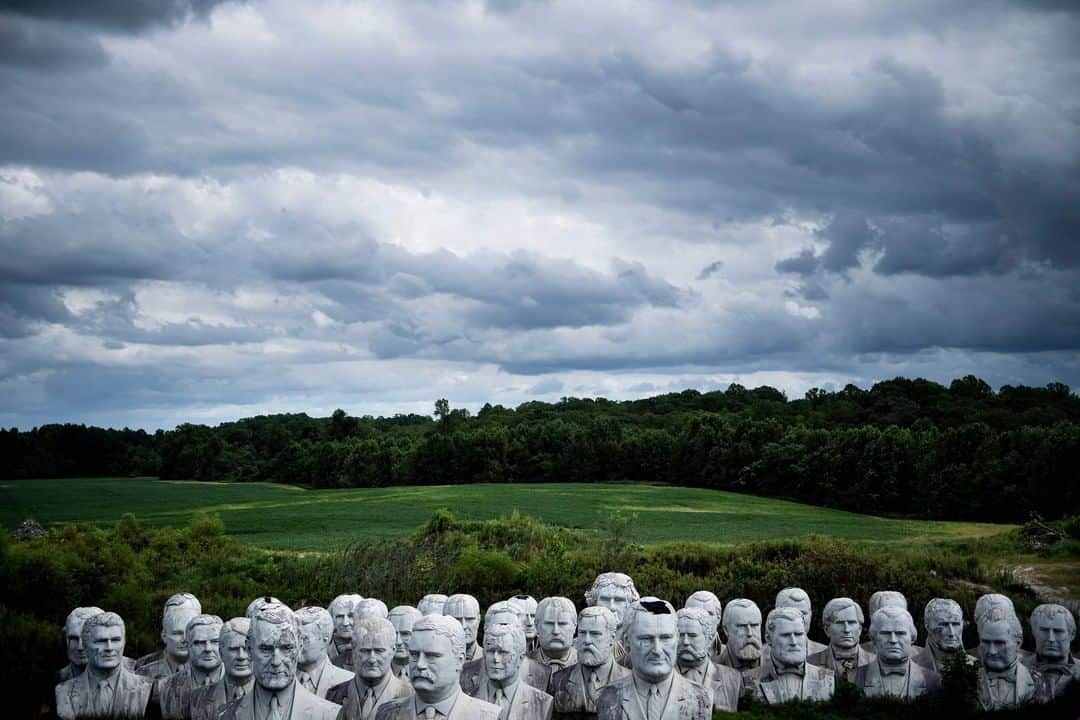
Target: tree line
(904, 447)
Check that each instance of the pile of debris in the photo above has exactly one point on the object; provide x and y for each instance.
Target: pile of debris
(29, 530)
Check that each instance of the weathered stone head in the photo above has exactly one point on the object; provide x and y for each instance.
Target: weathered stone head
(235, 655)
(259, 603)
(1054, 629)
(403, 617)
(466, 610)
(316, 630)
(893, 631)
(650, 627)
(1000, 637)
(73, 626)
(504, 651)
(370, 608)
(436, 656)
(556, 621)
(785, 632)
(504, 613)
(742, 629)
(696, 632)
(612, 590)
(341, 611)
(373, 647)
(794, 597)
(843, 620)
(178, 612)
(432, 604)
(944, 622)
(708, 602)
(274, 643)
(992, 600)
(203, 636)
(528, 606)
(595, 638)
(886, 598)
(103, 637)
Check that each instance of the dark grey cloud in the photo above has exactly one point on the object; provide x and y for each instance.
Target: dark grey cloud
(119, 15)
(28, 43)
(711, 269)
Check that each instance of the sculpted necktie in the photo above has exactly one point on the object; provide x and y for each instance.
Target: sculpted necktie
(103, 703)
(306, 680)
(367, 704)
(429, 712)
(275, 709)
(656, 708)
(238, 691)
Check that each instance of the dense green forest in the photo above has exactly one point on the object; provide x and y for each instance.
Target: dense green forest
(903, 447)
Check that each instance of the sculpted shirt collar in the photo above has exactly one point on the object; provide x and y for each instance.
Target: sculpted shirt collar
(263, 697)
(779, 670)
(201, 677)
(886, 669)
(443, 707)
(232, 685)
(362, 684)
(697, 671)
(551, 660)
(316, 670)
(1007, 675)
(644, 688)
(840, 654)
(508, 689)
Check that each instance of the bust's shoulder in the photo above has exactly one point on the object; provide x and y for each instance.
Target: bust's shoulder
(398, 707)
(477, 709)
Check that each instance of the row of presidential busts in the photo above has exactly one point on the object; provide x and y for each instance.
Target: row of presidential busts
(622, 658)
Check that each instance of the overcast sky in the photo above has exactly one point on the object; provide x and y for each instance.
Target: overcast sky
(211, 210)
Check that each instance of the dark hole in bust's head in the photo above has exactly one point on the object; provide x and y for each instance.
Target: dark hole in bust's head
(656, 607)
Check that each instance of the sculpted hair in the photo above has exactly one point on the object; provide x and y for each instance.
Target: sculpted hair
(201, 620)
(370, 607)
(103, 619)
(791, 614)
(504, 606)
(180, 602)
(274, 615)
(701, 616)
(80, 614)
(892, 612)
(407, 610)
(377, 627)
(837, 605)
(467, 603)
(884, 598)
(259, 603)
(562, 604)
(791, 596)
(349, 600)
(516, 634)
(237, 626)
(430, 599)
(606, 615)
(446, 626)
(612, 579)
(707, 600)
(1002, 614)
(739, 603)
(320, 616)
(992, 600)
(937, 609)
(1051, 611)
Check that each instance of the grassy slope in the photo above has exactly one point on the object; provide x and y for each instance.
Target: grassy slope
(285, 517)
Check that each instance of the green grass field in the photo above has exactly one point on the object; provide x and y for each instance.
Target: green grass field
(285, 517)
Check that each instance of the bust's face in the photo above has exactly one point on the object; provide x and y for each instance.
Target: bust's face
(172, 632)
(1052, 637)
(73, 638)
(235, 655)
(594, 642)
(402, 632)
(614, 598)
(501, 660)
(373, 655)
(997, 646)
(653, 642)
(205, 647)
(343, 621)
(788, 642)
(276, 654)
(803, 606)
(845, 629)
(742, 625)
(466, 614)
(433, 667)
(314, 642)
(693, 642)
(947, 630)
(106, 648)
(555, 629)
(892, 640)
(528, 604)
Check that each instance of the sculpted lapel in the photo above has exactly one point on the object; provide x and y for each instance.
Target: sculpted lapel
(348, 696)
(331, 676)
(686, 701)
(205, 701)
(568, 688)
(530, 704)
(305, 706)
(465, 708)
(818, 684)
(73, 698)
(1025, 688)
(825, 659)
(919, 681)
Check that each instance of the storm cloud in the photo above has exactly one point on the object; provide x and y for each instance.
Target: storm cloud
(214, 209)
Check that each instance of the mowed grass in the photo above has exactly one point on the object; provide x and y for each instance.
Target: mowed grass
(286, 517)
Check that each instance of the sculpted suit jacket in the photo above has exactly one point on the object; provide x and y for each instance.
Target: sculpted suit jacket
(532, 673)
(74, 697)
(825, 659)
(348, 696)
(465, 708)
(305, 706)
(340, 657)
(205, 701)
(1026, 685)
(687, 701)
(725, 685)
(528, 703)
(919, 681)
(331, 677)
(818, 684)
(174, 694)
(570, 692)
(925, 658)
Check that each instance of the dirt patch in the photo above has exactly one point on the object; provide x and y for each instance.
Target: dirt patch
(1053, 582)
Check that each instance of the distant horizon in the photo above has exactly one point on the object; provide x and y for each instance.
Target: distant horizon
(218, 208)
